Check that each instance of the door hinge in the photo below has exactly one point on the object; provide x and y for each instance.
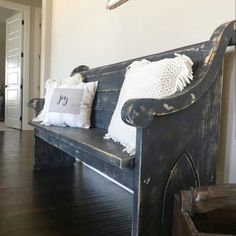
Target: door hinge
(21, 118)
(22, 54)
(23, 22)
(21, 86)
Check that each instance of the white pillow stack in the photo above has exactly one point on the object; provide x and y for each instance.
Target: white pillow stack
(50, 85)
(68, 102)
(145, 79)
(79, 117)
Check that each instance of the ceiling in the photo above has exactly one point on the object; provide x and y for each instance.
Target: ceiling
(5, 13)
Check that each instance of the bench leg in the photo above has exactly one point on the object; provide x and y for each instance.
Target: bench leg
(147, 208)
(48, 157)
(156, 181)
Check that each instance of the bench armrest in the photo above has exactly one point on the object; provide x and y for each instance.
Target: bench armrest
(36, 104)
(140, 112)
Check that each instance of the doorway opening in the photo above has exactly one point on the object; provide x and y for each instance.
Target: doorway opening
(29, 59)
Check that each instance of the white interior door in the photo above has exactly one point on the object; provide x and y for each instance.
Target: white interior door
(13, 77)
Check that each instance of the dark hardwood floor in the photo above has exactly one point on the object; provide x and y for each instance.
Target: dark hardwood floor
(75, 201)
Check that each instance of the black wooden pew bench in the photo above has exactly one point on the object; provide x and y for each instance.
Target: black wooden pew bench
(177, 137)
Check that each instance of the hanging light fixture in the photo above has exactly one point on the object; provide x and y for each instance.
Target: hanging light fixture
(112, 4)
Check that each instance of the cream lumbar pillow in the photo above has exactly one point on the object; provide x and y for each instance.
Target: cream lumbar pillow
(50, 85)
(145, 79)
(71, 105)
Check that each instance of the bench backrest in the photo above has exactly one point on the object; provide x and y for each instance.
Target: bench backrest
(110, 79)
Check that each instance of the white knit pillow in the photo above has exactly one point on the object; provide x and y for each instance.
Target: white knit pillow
(145, 79)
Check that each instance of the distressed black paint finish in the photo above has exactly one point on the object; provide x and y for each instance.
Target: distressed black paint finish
(193, 131)
(177, 137)
(54, 143)
(78, 140)
(36, 104)
(49, 157)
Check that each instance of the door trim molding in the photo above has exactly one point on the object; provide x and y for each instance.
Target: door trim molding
(46, 44)
(37, 52)
(26, 50)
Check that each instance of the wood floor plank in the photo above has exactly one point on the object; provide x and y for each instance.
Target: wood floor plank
(74, 201)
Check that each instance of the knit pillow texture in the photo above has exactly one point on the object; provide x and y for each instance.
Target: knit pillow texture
(145, 79)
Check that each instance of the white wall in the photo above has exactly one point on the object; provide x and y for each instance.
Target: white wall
(84, 32)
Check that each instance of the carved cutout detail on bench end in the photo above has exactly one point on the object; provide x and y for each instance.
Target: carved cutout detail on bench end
(183, 175)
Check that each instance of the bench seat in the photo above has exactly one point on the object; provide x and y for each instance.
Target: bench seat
(77, 140)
